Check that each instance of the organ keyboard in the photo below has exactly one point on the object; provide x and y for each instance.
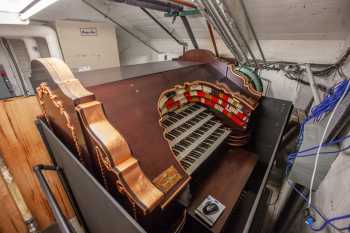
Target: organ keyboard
(193, 133)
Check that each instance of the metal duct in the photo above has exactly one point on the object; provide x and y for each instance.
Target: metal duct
(19, 31)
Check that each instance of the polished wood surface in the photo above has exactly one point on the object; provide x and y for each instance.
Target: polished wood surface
(96, 77)
(22, 148)
(224, 181)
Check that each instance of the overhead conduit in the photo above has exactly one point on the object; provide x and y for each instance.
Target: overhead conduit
(21, 31)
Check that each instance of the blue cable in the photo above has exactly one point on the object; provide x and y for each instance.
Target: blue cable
(292, 156)
(317, 113)
(327, 104)
(291, 160)
(326, 221)
(332, 142)
(321, 153)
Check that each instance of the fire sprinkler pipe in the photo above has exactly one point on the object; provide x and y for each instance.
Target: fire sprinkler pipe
(221, 30)
(240, 33)
(20, 31)
(191, 5)
(184, 3)
(213, 39)
(229, 30)
(182, 43)
(189, 31)
(153, 4)
(252, 29)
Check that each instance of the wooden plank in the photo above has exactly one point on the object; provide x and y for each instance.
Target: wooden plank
(22, 148)
(10, 217)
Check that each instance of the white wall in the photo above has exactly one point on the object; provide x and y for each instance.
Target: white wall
(81, 51)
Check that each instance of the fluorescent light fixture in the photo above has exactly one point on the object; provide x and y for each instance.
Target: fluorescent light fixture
(40, 5)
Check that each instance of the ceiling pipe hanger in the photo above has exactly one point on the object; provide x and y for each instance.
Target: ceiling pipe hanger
(167, 7)
(189, 31)
(182, 43)
(152, 4)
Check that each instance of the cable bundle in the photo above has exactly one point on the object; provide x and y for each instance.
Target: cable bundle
(328, 103)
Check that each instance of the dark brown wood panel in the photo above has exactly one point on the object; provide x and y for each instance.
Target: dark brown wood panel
(225, 182)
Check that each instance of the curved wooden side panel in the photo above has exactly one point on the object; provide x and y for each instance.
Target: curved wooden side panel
(79, 121)
(243, 81)
(224, 67)
(114, 152)
(46, 97)
(58, 92)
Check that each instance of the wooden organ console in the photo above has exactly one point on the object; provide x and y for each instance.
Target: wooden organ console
(148, 138)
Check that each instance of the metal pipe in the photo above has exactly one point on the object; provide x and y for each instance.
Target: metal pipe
(61, 221)
(182, 43)
(235, 39)
(252, 30)
(153, 4)
(241, 35)
(224, 38)
(189, 31)
(221, 30)
(121, 26)
(234, 49)
(212, 20)
(184, 3)
(315, 93)
(212, 39)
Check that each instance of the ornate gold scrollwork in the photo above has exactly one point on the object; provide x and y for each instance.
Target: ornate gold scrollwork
(105, 164)
(44, 90)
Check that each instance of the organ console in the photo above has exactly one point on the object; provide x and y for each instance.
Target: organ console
(148, 138)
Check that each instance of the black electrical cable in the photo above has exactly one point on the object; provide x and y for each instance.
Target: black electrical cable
(333, 68)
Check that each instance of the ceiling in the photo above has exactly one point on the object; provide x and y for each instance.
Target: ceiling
(272, 19)
(14, 6)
